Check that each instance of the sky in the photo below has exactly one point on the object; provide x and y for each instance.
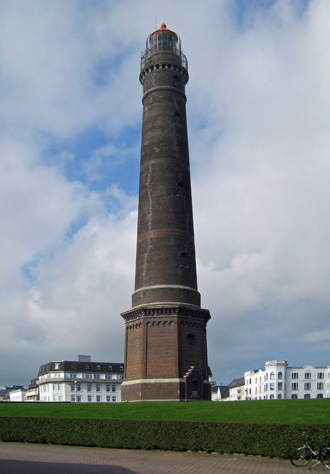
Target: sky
(258, 106)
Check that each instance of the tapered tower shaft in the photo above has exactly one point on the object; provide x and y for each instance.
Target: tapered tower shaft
(165, 263)
(165, 345)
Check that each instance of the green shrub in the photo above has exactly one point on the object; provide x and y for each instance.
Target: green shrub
(275, 440)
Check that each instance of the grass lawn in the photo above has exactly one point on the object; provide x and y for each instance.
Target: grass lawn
(261, 411)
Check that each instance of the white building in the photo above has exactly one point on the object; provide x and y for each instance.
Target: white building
(278, 381)
(17, 395)
(219, 393)
(236, 390)
(80, 381)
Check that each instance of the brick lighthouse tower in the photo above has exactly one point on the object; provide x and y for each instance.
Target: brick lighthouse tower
(165, 331)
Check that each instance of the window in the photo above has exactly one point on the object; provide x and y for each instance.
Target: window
(54, 387)
(271, 397)
(176, 81)
(98, 367)
(191, 339)
(272, 386)
(319, 395)
(79, 398)
(183, 260)
(295, 375)
(179, 191)
(89, 398)
(98, 398)
(294, 396)
(307, 386)
(272, 376)
(308, 375)
(74, 366)
(114, 399)
(280, 385)
(87, 367)
(108, 398)
(108, 388)
(320, 385)
(294, 386)
(280, 375)
(307, 395)
(121, 368)
(280, 396)
(57, 366)
(113, 388)
(78, 387)
(320, 375)
(98, 388)
(89, 387)
(109, 367)
(72, 387)
(108, 377)
(177, 119)
(59, 387)
(73, 398)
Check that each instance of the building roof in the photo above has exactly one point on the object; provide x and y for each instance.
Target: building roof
(223, 389)
(237, 382)
(79, 366)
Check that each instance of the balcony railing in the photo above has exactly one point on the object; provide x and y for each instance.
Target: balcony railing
(146, 56)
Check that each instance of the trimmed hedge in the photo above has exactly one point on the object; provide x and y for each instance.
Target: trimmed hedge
(274, 440)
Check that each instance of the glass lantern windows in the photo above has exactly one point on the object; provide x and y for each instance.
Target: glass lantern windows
(163, 41)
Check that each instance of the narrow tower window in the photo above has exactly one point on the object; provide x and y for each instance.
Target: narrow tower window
(176, 81)
(177, 118)
(180, 190)
(183, 260)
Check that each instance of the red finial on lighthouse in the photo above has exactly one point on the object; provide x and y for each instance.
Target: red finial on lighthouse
(163, 26)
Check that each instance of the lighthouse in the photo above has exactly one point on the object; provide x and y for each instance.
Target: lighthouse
(165, 331)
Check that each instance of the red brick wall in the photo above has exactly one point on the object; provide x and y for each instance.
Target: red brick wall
(134, 348)
(162, 348)
(192, 347)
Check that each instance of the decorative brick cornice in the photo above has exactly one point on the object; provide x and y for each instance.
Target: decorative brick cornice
(155, 66)
(189, 313)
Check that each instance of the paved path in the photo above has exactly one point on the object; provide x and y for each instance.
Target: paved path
(23, 458)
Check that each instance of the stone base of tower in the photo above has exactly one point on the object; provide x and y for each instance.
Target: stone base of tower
(166, 354)
(163, 391)
(152, 390)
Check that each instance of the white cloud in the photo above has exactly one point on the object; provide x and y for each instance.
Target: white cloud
(258, 117)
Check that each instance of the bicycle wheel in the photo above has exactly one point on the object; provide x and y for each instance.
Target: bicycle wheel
(301, 457)
(326, 458)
